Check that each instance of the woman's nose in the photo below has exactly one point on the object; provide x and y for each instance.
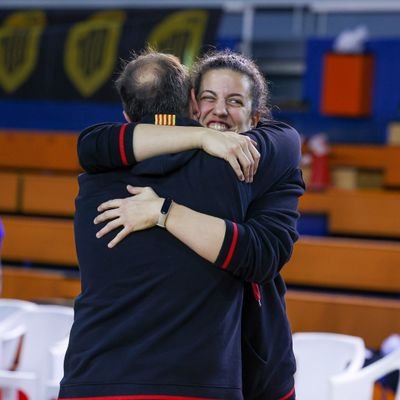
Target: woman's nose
(220, 108)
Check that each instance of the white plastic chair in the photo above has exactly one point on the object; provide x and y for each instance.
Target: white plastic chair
(12, 311)
(46, 325)
(12, 330)
(320, 356)
(10, 345)
(360, 384)
(57, 354)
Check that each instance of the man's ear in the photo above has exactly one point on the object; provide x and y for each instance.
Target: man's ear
(126, 116)
(194, 109)
(255, 119)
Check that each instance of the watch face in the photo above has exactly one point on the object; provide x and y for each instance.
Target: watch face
(166, 205)
(164, 212)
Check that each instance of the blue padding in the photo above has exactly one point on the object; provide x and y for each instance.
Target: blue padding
(386, 83)
(75, 116)
(65, 116)
(312, 84)
(229, 42)
(313, 224)
(385, 93)
(339, 130)
(386, 88)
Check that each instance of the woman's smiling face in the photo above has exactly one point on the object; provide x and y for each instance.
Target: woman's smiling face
(224, 101)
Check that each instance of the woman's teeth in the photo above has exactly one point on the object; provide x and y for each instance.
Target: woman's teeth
(218, 126)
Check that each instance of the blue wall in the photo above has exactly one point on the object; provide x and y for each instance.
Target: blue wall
(63, 116)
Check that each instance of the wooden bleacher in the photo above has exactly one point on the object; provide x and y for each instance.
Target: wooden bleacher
(373, 319)
(335, 284)
(362, 265)
(40, 240)
(385, 158)
(38, 185)
(344, 284)
(344, 270)
(38, 284)
(356, 212)
(31, 150)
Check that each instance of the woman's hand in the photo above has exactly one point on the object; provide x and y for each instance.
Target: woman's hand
(135, 213)
(238, 150)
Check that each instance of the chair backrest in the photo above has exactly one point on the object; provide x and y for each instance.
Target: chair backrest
(45, 326)
(9, 307)
(57, 354)
(320, 356)
(360, 384)
(10, 344)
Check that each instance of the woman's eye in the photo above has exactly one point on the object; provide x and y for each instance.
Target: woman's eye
(207, 98)
(235, 102)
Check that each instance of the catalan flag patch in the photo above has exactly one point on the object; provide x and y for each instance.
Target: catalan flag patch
(164, 119)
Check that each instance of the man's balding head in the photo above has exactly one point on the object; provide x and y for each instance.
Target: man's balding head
(154, 83)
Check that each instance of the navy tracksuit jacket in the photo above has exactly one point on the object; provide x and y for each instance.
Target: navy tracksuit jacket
(156, 319)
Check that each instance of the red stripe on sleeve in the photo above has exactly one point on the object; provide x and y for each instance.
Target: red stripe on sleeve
(287, 396)
(122, 144)
(231, 248)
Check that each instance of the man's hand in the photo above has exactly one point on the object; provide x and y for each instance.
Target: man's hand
(238, 150)
(135, 213)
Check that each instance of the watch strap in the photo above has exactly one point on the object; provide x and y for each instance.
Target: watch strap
(162, 217)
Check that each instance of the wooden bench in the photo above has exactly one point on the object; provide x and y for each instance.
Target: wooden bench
(38, 176)
(356, 212)
(363, 265)
(347, 286)
(49, 194)
(373, 319)
(371, 157)
(54, 194)
(39, 240)
(38, 172)
(54, 151)
(38, 193)
(9, 184)
(37, 284)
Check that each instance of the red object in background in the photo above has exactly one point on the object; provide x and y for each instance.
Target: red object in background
(22, 396)
(320, 175)
(347, 85)
(319, 148)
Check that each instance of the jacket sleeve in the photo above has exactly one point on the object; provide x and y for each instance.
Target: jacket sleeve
(104, 147)
(255, 250)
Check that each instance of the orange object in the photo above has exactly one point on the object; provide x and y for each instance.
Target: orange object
(347, 85)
